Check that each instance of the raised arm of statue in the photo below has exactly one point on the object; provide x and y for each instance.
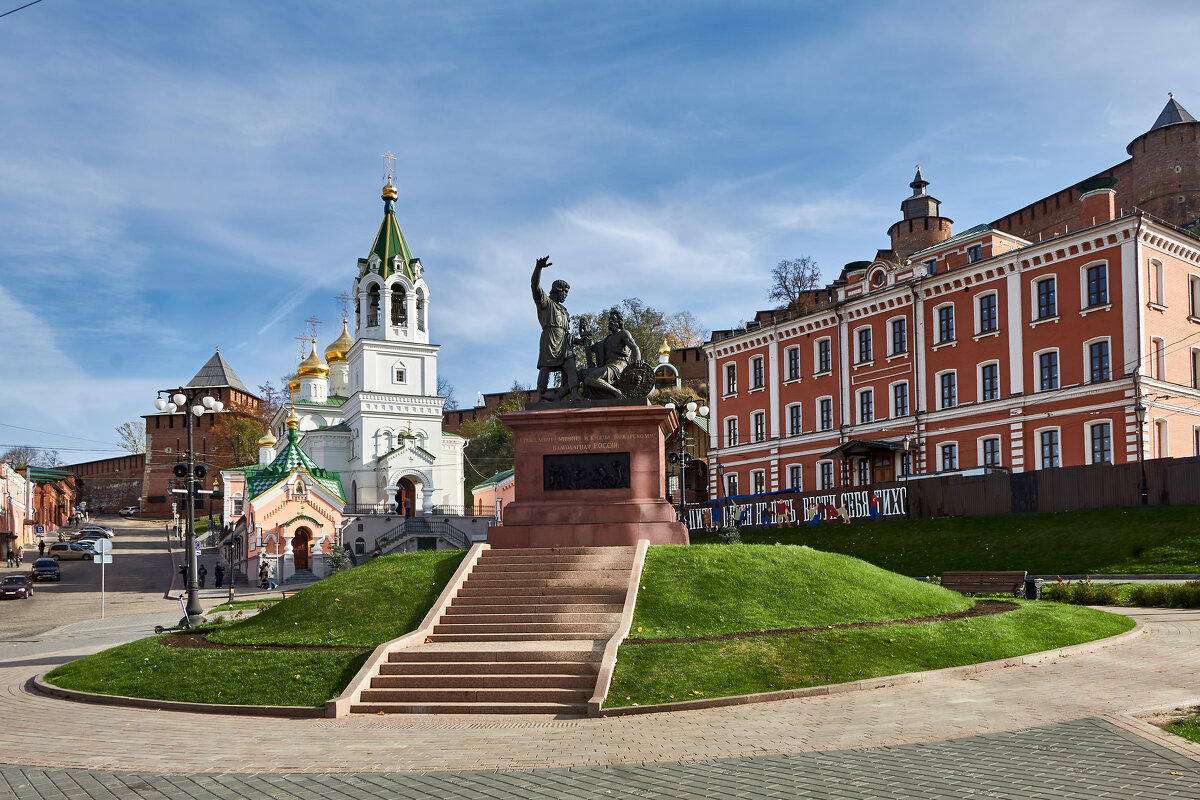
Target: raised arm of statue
(539, 296)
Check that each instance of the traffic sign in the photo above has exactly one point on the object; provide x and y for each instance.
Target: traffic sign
(101, 559)
(39, 528)
(103, 546)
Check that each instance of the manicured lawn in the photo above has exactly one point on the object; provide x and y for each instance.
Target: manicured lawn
(714, 589)
(258, 677)
(664, 673)
(1151, 539)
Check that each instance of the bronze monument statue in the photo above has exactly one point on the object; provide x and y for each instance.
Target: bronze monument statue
(610, 356)
(556, 351)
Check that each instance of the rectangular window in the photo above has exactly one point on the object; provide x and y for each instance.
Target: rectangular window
(1102, 443)
(866, 406)
(1101, 369)
(794, 477)
(794, 428)
(989, 381)
(731, 432)
(824, 355)
(1156, 281)
(991, 452)
(825, 406)
(899, 336)
(931, 266)
(238, 505)
(987, 313)
(756, 371)
(826, 474)
(399, 375)
(1097, 285)
(759, 479)
(1049, 441)
(864, 471)
(946, 324)
(949, 386)
(906, 464)
(864, 345)
(1048, 371)
(1194, 295)
(1195, 368)
(900, 399)
(793, 361)
(760, 426)
(1047, 299)
(731, 486)
(974, 253)
(731, 379)
(950, 456)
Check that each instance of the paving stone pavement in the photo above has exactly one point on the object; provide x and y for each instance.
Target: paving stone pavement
(1054, 729)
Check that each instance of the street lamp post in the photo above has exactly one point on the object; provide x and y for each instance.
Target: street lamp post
(1139, 411)
(195, 402)
(685, 413)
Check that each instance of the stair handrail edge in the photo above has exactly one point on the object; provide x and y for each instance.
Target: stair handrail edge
(609, 660)
(340, 705)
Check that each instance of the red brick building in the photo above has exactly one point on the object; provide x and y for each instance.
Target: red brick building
(1036, 341)
(109, 484)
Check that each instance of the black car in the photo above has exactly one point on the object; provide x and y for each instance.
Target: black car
(45, 569)
(16, 586)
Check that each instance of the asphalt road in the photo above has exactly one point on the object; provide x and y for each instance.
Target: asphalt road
(142, 571)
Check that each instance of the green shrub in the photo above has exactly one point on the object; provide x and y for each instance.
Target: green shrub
(1084, 593)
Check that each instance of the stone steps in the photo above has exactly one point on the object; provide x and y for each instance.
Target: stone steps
(524, 634)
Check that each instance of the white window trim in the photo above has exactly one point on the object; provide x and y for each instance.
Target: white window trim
(891, 338)
(1193, 297)
(787, 418)
(936, 329)
(1087, 441)
(979, 381)
(728, 392)
(725, 430)
(1194, 356)
(1162, 438)
(1037, 370)
(755, 416)
(858, 345)
(1158, 358)
(977, 306)
(979, 448)
(799, 364)
(1087, 360)
(1156, 283)
(817, 356)
(799, 487)
(941, 455)
(755, 476)
(895, 412)
(858, 395)
(763, 370)
(832, 413)
(1037, 445)
(820, 472)
(937, 386)
(1033, 299)
(1083, 285)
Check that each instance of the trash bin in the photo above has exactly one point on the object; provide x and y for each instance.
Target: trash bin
(1033, 588)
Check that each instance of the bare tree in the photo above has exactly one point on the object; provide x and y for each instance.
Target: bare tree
(793, 281)
(131, 436)
(23, 455)
(684, 330)
(445, 389)
(272, 399)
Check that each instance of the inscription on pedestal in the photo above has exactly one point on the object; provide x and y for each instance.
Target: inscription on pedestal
(585, 471)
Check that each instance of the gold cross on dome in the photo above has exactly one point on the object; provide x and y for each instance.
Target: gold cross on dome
(389, 161)
(313, 322)
(303, 340)
(345, 298)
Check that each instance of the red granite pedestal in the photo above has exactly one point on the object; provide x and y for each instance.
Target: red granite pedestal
(589, 477)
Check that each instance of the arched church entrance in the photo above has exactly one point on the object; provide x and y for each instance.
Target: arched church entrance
(406, 498)
(301, 545)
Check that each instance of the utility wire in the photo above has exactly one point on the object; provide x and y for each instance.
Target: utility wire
(18, 8)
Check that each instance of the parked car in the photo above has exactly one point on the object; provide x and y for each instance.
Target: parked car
(45, 569)
(91, 533)
(128, 511)
(70, 551)
(16, 586)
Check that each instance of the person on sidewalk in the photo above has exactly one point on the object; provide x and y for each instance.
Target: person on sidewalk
(264, 573)
(219, 574)
(202, 573)
(41, 548)
(271, 577)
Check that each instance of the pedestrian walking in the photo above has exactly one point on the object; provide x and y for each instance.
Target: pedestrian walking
(183, 574)
(264, 572)
(271, 577)
(202, 574)
(41, 548)
(219, 574)
(9, 561)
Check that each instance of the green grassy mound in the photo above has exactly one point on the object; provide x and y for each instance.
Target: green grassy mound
(714, 589)
(359, 609)
(665, 673)
(1144, 539)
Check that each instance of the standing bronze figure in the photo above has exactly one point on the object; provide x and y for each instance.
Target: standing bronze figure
(556, 351)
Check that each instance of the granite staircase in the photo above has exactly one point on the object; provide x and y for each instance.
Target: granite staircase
(524, 635)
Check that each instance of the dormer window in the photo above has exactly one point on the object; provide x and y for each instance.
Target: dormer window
(974, 253)
(878, 278)
(931, 266)
(373, 263)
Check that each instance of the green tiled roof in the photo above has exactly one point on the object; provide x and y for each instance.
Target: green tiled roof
(341, 427)
(499, 476)
(260, 478)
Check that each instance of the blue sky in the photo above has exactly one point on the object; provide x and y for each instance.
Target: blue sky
(176, 176)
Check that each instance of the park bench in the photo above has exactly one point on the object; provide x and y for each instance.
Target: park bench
(985, 582)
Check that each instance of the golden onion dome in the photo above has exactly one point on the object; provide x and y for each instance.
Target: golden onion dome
(313, 366)
(293, 421)
(665, 350)
(294, 384)
(268, 440)
(336, 352)
(389, 191)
